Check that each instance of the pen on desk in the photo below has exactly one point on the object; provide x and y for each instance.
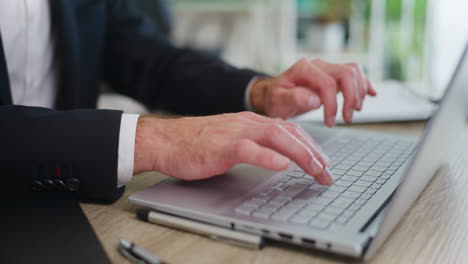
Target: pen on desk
(214, 232)
(137, 255)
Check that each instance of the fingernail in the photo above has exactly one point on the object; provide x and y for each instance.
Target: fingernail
(349, 113)
(331, 121)
(327, 178)
(314, 102)
(326, 158)
(316, 167)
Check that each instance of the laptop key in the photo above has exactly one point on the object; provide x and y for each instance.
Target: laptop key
(321, 200)
(338, 172)
(360, 168)
(330, 194)
(335, 188)
(296, 174)
(280, 217)
(348, 213)
(281, 186)
(343, 167)
(365, 164)
(308, 194)
(361, 201)
(319, 224)
(386, 176)
(314, 207)
(371, 191)
(373, 173)
(342, 220)
(244, 210)
(306, 181)
(326, 217)
(278, 201)
(378, 168)
(343, 183)
(357, 189)
(254, 202)
(354, 173)
(362, 183)
(293, 191)
(286, 179)
(350, 178)
(307, 212)
(342, 202)
(317, 187)
(262, 215)
(354, 207)
(299, 219)
(333, 211)
(350, 194)
(366, 196)
(380, 181)
(368, 178)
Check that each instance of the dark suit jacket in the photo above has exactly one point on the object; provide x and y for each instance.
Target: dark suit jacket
(103, 41)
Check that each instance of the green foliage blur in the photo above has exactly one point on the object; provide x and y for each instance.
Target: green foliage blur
(397, 56)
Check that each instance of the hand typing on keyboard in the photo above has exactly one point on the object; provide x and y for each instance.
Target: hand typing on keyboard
(193, 148)
(307, 85)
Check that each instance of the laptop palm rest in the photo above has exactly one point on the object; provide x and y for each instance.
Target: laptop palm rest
(211, 196)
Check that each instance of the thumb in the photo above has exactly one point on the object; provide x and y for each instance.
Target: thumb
(294, 101)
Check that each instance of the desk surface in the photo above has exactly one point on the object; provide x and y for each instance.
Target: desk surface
(434, 230)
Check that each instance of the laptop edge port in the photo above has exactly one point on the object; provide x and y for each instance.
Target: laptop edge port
(285, 236)
(308, 242)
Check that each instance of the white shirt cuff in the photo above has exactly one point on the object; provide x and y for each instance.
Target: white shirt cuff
(247, 103)
(126, 152)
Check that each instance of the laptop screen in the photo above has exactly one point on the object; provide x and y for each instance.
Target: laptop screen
(439, 137)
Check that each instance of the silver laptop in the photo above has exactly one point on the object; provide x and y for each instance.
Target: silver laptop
(376, 179)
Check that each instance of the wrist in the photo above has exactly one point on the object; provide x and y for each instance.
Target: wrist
(258, 94)
(146, 143)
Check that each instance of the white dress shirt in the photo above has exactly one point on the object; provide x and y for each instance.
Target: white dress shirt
(32, 68)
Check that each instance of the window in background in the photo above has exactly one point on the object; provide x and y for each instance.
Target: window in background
(402, 40)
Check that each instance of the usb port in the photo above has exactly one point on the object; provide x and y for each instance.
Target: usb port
(308, 242)
(285, 236)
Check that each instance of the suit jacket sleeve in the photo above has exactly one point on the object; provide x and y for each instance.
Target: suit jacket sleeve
(39, 144)
(141, 63)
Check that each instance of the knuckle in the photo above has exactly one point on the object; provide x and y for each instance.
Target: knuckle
(348, 72)
(276, 96)
(240, 146)
(303, 61)
(328, 83)
(247, 114)
(273, 131)
(317, 61)
(354, 65)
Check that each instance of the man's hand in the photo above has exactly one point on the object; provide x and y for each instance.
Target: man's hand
(193, 148)
(307, 85)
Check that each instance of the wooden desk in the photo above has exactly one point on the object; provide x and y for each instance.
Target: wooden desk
(435, 230)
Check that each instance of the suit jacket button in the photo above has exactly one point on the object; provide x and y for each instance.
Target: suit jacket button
(73, 184)
(48, 184)
(37, 186)
(59, 184)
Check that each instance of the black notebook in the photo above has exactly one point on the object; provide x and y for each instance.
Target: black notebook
(47, 228)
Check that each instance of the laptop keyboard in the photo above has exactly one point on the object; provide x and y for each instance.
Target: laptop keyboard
(360, 165)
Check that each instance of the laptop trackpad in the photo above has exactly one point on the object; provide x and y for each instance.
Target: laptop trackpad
(211, 195)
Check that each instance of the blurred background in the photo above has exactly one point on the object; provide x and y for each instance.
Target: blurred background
(413, 43)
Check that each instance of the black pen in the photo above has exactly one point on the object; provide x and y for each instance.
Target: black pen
(137, 254)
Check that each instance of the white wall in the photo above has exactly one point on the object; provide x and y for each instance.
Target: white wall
(448, 33)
